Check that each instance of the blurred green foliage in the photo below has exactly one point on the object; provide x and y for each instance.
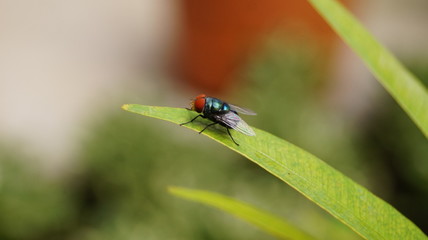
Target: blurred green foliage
(31, 206)
(129, 161)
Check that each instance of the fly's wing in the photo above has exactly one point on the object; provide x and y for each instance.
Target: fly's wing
(242, 110)
(232, 120)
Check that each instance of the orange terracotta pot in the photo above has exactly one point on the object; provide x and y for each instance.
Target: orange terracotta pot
(217, 36)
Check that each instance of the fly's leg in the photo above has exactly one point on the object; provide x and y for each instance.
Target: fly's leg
(191, 120)
(207, 126)
(230, 135)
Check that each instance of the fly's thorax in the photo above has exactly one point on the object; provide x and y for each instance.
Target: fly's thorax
(215, 106)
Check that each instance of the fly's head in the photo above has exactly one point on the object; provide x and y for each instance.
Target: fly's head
(198, 103)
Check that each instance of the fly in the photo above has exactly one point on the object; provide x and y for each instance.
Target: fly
(220, 112)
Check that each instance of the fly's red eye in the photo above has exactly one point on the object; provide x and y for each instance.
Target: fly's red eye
(199, 103)
(200, 96)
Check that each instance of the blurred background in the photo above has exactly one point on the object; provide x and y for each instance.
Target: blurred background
(73, 165)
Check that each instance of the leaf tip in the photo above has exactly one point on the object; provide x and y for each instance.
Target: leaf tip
(125, 107)
(172, 189)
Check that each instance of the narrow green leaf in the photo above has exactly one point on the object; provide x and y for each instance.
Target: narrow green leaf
(349, 202)
(407, 90)
(267, 222)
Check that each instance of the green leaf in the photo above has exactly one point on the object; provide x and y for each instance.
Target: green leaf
(407, 90)
(349, 202)
(267, 222)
